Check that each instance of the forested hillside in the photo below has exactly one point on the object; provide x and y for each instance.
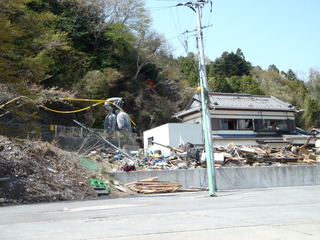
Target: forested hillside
(95, 49)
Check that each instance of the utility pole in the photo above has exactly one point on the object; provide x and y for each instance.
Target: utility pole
(205, 100)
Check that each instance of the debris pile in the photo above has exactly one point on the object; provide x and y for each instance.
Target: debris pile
(191, 156)
(181, 158)
(40, 172)
(264, 156)
(35, 171)
(150, 185)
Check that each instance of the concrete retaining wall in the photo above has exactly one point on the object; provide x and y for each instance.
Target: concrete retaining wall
(233, 178)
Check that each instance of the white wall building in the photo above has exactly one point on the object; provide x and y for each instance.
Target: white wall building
(173, 135)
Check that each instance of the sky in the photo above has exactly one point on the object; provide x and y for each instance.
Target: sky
(281, 32)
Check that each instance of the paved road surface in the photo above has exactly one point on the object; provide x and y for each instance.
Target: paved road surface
(291, 213)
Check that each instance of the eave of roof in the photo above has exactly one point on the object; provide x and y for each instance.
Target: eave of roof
(232, 101)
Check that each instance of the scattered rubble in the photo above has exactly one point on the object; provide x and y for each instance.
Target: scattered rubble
(264, 156)
(190, 157)
(35, 171)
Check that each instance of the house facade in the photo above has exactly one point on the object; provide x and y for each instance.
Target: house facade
(241, 119)
(244, 119)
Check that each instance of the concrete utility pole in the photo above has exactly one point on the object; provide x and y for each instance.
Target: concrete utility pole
(205, 100)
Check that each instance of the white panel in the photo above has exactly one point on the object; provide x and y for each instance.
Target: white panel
(172, 134)
(183, 133)
(160, 135)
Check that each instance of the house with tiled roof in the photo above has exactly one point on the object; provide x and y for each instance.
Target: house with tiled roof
(243, 119)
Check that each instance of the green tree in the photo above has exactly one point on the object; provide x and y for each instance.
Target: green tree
(293, 92)
(116, 50)
(229, 64)
(21, 32)
(311, 114)
(189, 69)
(89, 35)
(150, 48)
(291, 75)
(313, 83)
(273, 68)
(219, 84)
(245, 84)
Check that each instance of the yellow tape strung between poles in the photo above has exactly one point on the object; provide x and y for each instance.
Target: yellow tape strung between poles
(49, 109)
(74, 111)
(13, 100)
(94, 100)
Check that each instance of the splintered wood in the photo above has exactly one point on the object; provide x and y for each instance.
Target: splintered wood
(263, 156)
(151, 186)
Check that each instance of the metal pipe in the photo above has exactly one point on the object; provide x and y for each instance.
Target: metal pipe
(123, 152)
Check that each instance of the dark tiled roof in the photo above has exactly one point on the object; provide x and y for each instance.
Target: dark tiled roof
(236, 101)
(246, 101)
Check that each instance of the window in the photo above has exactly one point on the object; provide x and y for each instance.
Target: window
(257, 125)
(228, 124)
(150, 141)
(274, 125)
(245, 124)
(235, 124)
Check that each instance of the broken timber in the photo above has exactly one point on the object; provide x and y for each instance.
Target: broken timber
(150, 185)
(171, 148)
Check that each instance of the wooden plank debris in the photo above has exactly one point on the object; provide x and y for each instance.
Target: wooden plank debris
(190, 156)
(121, 189)
(150, 185)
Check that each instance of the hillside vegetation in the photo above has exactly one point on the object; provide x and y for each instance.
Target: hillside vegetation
(52, 49)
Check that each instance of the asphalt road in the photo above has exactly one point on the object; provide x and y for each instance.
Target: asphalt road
(291, 213)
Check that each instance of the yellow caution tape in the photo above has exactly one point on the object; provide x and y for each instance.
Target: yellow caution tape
(73, 99)
(92, 100)
(74, 111)
(12, 100)
(83, 99)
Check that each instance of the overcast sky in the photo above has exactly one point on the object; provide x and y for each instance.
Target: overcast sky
(281, 32)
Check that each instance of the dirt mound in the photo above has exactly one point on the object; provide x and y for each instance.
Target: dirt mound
(34, 171)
